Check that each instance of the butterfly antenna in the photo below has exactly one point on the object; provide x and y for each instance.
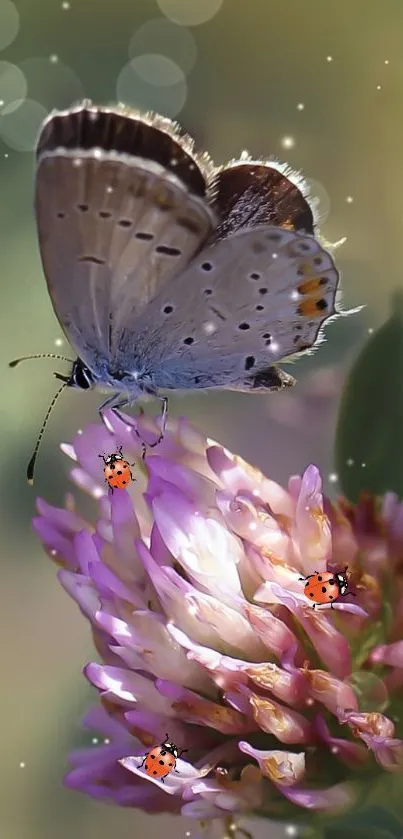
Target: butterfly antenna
(17, 361)
(31, 464)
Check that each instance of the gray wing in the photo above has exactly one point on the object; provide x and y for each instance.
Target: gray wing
(120, 207)
(242, 305)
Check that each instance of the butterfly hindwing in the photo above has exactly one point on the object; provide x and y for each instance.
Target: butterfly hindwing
(242, 304)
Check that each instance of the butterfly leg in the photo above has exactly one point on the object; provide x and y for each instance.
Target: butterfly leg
(163, 417)
(114, 406)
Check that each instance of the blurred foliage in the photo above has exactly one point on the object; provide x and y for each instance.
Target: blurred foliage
(369, 438)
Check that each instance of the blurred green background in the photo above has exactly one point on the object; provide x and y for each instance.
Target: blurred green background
(317, 83)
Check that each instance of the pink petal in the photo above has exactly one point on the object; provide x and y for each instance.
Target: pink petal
(237, 477)
(82, 591)
(332, 799)
(330, 644)
(287, 725)
(127, 688)
(196, 710)
(283, 768)
(391, 654)
(311, 529)
(353, 754)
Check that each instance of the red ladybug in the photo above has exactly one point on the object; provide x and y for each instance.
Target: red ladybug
(326, 587)
(117, 470)
(162, 759)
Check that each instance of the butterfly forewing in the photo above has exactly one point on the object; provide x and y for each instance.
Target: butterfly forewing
(244, 303)
(121, 209)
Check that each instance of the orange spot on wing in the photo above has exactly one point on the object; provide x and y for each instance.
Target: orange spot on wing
(312, 284)
(309, 307)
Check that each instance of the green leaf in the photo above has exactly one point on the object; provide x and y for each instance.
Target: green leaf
(370, 424)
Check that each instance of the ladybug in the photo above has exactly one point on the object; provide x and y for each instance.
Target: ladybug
(117, 470)
(162, 759)
(326, 587)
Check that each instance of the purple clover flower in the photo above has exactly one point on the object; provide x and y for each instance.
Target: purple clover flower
(190, 580)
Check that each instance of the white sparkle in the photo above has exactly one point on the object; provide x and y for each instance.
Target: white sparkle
(287, 142)
(80, 431)
(53, 552)
(95, 740)
(255, 492)
(22, 764)
(274, 255)
(97, 492)
(109, 189)
(379, 87)
(349, 199)
(300, 106)
(77, 161)
(294, 295)
(58, 342)
(209, 327)
(252, 525)
(6, 155)
(1, 103)
(65, 6)
(53, 59)
(350, 461)
(309, 701)
(329, 58)
(187, 833)
(274, 346)
(333, 478)
(334, 750)
(97, 153)
(370, 330)
(107, 741)
(386, 61)
(363, 465)
(291, 830)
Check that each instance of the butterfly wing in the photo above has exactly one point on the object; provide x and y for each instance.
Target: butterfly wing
(244, 303)
(121, 208)
(249, 193)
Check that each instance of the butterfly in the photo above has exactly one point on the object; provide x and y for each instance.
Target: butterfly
(167, 272)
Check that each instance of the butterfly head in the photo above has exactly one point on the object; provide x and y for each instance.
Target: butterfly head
(80, 376)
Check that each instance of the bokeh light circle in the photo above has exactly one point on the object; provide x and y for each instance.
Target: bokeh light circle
(13, 85)
(163, 37)
(9, 23)
(190, 12)
(20, 123)
(152, 82)
(370, 691)
(53, 84)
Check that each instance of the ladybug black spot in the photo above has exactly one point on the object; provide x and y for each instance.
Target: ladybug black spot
(163, 753)
(331, 597)
(170, 764)
(155, 772)
(161, 762)
(112, 466)
(311, 594)
(324, 589)
(124, 483)
(119, 471)
(319, 579)
(332, 582)
(152, 757)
